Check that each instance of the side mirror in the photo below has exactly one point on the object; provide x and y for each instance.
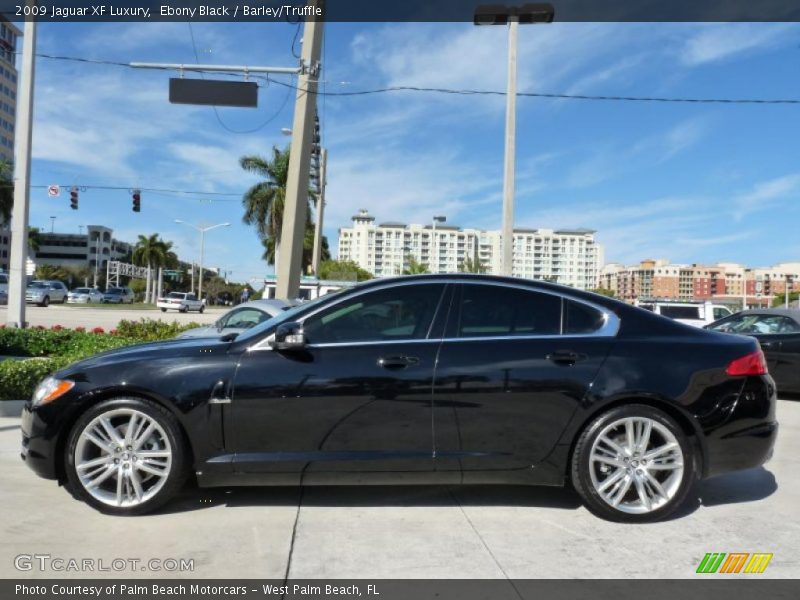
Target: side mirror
(289, 336)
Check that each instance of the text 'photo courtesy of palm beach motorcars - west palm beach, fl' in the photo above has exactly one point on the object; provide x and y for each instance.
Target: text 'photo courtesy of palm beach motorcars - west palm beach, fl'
(409, 291)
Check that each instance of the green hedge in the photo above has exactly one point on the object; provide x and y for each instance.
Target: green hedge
(48, 350)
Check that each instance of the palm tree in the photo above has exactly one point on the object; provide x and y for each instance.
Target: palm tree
(264, 202)
(414, 267)
(472, 265)
(151, 251)
(6, 190)
(33, 239)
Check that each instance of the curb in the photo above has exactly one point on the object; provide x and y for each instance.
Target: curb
(11, 408)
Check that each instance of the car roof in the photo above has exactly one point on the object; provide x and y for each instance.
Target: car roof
(263, 303)
(792, 313)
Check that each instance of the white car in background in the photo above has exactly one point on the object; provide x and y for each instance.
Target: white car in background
(697, 314)
(84, 295)
(180, 301)
(240, 318)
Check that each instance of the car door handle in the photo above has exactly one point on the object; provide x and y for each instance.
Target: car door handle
(564, 357)
(394, 363)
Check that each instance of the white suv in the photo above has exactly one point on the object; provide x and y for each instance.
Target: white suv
(697, 314)
(43, 292)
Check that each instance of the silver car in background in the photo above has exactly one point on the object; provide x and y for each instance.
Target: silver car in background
(118, 295)
(44, 292)
(240, 318)
(84, 295)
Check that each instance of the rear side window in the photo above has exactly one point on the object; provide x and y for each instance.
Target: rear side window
(681, 312)
(579, 318)
(497, 311)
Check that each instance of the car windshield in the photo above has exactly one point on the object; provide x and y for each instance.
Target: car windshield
(176, 295)
(282, 317)
(114, 291)
(80, 291)
(37, 285)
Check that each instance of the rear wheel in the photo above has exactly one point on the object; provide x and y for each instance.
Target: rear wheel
(633, 463)
(126, 456)
(163, 310)
(202, 308)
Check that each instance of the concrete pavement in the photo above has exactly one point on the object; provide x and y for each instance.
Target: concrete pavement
(73, 316)
(410, 532)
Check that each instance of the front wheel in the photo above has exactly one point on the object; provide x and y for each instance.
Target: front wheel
(45, 301)
(634, 464)
(126, 456)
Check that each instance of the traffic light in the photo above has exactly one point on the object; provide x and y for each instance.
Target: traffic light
(73, 198)
(137, 201)
(315, 138)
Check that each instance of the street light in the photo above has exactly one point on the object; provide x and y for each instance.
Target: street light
(202, 231)
(494, 14)
(436, 219)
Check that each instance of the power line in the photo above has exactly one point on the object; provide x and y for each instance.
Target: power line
(476, 92)
(84, 188)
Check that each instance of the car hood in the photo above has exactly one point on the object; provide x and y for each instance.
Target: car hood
(198, 332)
(148, 352)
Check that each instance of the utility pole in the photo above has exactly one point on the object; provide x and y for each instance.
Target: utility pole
(510, 151)
(323, 160)
(494, 14)
(294, 216)
(19, 225)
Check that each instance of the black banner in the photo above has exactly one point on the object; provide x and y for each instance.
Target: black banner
(735, 588)
(393, 10)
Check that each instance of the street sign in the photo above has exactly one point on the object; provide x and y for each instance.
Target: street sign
(53, 191)
(213, 92)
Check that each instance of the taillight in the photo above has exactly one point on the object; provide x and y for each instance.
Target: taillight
(749, 364)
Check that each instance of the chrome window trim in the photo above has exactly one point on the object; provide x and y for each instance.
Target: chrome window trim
(609, 328)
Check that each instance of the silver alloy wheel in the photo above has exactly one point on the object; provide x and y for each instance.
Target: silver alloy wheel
(123, 457)
(636, 465)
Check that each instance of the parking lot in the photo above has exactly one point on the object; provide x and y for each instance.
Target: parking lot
(409, 532)
(107, 317)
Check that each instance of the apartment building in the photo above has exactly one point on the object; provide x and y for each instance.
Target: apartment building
(662, 279)
(568, 256)
(8, 88)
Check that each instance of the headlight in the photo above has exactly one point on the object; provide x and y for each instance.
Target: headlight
(50, 389)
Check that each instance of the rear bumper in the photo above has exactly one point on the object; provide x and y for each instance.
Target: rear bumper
(747, 438)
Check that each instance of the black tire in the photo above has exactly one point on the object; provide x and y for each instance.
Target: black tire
(581, 466)
(183, 309)
(163, 310)
(45, 301)
(179, 465)
(202, 308)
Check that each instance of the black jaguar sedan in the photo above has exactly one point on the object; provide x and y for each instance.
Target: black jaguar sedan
(440, 379)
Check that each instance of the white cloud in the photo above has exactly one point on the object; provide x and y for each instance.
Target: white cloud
(717, 42)
(763, 194)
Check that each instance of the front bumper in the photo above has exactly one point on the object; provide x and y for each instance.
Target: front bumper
(38, 444)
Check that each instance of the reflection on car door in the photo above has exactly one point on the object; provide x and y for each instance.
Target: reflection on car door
(507, 380)
(356, 399)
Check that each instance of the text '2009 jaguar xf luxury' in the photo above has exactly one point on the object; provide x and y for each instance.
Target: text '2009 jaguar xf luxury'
(426, 379)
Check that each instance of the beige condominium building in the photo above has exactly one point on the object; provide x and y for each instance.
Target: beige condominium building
(567, 256)
(8, 88)
(662, 279)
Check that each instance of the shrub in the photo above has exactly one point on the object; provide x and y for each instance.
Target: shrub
(150, 330)
(18, 378)
(52, 349)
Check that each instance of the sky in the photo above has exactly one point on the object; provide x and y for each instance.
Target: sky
(693, 183)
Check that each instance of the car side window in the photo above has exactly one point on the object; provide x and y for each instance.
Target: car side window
(245, 318)
(720, 312)
(402, 312)
(580, 318)
(498, 311)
